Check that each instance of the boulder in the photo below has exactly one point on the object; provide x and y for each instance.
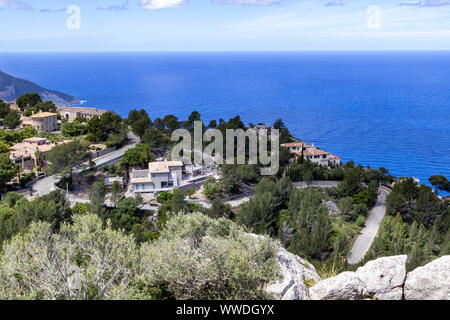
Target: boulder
(344, 286)
(381, 279)
(331, 207)
(296, 273)
(430, 282)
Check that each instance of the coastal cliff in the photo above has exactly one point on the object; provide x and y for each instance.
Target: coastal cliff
(11, 88)
(385, 278)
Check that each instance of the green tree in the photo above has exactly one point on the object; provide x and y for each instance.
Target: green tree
(73, 129)
(352, 181)
(141, 123)
(396, 203)
(100, 128)
(8, 170)
(116, 192)
(4, 109)
(65, 157)
(97, 195)
(363, 197)
(28, 100)
(261, 212)
(45, 106)
(137, 157)
(28, 132)
(220, 210)
(171, 122)
(440, 183)
(3, 147)
(313, 227)
(155, 139)
(12, 119)
(53, 208)
(285, 135)
(194, 116)
(346, 209)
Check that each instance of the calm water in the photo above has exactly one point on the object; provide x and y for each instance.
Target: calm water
(379, 109)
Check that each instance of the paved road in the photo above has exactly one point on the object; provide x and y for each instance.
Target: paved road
(47, 185)
(316, 184)
(232, 203)
(367, 235)
(300, 185)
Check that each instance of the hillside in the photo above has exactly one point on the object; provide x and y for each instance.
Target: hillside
(11, 88)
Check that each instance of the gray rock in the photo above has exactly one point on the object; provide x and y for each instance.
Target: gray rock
(430, 282)
(295, 271)
(344, 286)
(381, 279)
(331, 207)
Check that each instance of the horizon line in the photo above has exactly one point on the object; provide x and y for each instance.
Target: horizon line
(231, 51)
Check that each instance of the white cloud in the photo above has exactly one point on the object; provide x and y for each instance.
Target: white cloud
(426, 3)
(114, 7)
(162, 4)
(435, 3)
(302, 22)
(253, 2)
(333, 3)
(13, 4)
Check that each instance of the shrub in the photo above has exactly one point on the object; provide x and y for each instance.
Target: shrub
(361, 221)
(197, 257)
(38, 265)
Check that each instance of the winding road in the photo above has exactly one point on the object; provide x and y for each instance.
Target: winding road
(47, 185)
(368, 234)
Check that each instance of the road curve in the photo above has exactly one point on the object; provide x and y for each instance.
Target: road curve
(367, 235)
(47, 185)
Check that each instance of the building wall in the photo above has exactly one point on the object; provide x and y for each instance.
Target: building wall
(47, 124)
(160, 181)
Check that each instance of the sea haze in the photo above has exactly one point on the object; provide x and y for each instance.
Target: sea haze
(388, 109)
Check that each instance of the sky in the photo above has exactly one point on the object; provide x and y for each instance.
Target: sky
(223, 25)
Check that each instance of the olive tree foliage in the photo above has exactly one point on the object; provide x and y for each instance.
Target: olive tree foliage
(84, 261)
(198, 257)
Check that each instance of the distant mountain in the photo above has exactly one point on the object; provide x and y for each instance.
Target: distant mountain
(11, 88)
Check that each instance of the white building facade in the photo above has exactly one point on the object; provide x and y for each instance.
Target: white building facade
(160, 176)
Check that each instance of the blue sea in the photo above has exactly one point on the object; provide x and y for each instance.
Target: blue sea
(382, 109)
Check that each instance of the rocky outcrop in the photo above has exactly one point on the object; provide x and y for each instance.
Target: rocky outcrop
(344, 286)
(430, 282)
(296, 275)
(383, 278)
(331, 207)
(380, 279)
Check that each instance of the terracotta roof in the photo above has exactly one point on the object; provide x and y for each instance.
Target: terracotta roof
(92, 111)
(334, 156)
(141, 180)
(35, 139)
(43, 115)
(163, 166)
(315, 152)
(293, 144)
(28, 149)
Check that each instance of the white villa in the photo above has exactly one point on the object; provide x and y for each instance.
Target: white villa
(312, 153)
(160, 176)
